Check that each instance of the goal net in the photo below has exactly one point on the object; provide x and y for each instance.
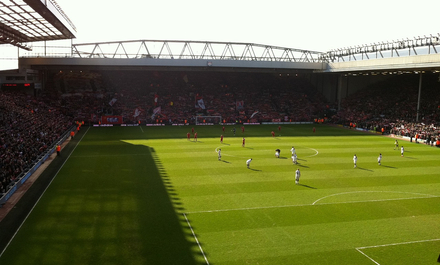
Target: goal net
(208, 120)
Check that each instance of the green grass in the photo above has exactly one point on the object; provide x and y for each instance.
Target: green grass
(130, 195)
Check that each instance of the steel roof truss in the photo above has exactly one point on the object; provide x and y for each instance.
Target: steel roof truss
(143, 45)
(122, 47)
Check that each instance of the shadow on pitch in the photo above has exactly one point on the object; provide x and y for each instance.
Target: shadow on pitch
(389, 166)
(158, 195)
(302, 165)
(307, 186)
(361, 168)
(154, 210)
(227, 162)
(255, 169)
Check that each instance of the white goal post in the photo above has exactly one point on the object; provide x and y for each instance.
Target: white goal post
(208, 120)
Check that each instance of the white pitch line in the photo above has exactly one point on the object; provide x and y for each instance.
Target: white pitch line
(368, 257)
(342, 193)
(383, 200)
(141, 129)
(195, 237)
(392, 244)
(401, 243)
(250, 208)
(303, 205)
(313, 150)
(42, 194)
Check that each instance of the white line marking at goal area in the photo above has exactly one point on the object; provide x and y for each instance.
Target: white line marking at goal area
(18, 229)
(195, 237)
(392, 244)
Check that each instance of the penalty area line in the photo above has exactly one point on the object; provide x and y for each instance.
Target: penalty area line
(195, 237)
(392, 244)
(401, 243)
(360, 251)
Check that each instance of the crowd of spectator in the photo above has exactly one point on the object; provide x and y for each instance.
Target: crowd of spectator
(28, 128)
(418, 132)
(234, 96)
(391, 107)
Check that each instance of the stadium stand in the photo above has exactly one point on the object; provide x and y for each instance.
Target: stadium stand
(28, 129)
(392, 105)
(292, 99)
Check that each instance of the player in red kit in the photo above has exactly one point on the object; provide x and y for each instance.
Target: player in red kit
(188, 136)
(244, 141)
(192, 130)
(242, 129)
(273, 134)
(279, 128)
(195, 137)
(223, 128)
(221, 138)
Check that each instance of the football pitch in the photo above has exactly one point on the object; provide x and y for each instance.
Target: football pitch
(148, 195)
